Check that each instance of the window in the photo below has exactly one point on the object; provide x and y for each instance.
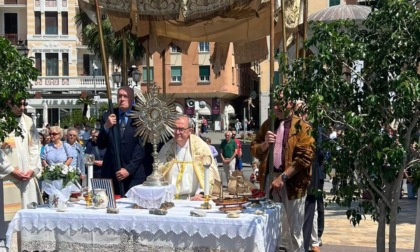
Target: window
(65, 57)
(37, 22)
(334, 2)
(176, 73)
(145, 75)
(51, 23)
(38, 62)
(64, 23)
(175, 49)
(52, 64)
(204, 47)
(204, 73)
(11, 27)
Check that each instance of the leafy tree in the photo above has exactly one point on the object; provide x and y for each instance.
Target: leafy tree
(16, 72)
(112, 40)
(377, 107)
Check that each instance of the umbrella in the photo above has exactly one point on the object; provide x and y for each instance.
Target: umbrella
(88, 111)
(45, 113)
(357, 13)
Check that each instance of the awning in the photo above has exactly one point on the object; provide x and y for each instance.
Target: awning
(179, 108)
(30, 109)
(205, 111)
(229, 110)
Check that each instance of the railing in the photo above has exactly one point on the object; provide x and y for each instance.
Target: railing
(14, 38)
(13, 2)
(65, 83)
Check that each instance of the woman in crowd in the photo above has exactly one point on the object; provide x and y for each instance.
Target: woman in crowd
(213, 150)
(57, 151)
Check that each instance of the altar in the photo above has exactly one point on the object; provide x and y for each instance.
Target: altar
(88, 229)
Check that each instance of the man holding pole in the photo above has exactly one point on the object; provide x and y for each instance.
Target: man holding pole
(292, 161)
(133, 171)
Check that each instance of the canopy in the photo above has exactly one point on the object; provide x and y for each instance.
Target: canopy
(245, 23)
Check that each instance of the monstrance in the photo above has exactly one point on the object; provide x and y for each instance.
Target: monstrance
(154, 115)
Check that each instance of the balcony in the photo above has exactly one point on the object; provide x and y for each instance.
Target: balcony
(14, 38)
(67, 83)
(12, 2)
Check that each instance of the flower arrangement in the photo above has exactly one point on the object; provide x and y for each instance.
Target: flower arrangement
(61, 171)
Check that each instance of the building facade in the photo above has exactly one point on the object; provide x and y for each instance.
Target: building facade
(47, 28)
(191, 78)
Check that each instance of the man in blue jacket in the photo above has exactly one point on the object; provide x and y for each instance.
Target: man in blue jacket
(134, 169)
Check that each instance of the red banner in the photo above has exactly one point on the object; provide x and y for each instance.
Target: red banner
(215, 106)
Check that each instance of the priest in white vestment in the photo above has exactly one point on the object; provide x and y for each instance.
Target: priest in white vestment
(179, 161)
(20, 164)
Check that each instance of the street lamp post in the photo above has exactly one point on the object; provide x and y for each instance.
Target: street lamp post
(95, 98)
(136, 75)
(116, 77)
(22, 49)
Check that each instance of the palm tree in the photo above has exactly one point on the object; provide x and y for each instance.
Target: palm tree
(113, 42)
(86, 101)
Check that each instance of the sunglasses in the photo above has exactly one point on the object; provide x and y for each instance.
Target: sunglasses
(54, 134)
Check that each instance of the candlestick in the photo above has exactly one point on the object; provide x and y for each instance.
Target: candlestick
(206, 161)
(89, 177)
(89, 161)
(206, 181)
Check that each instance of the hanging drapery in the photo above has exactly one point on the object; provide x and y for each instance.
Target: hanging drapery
(246, 23)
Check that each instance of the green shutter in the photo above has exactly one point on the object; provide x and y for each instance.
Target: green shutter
(334, 2)
(176, 71)
(204, 70)
(145, 75)
(276, 79)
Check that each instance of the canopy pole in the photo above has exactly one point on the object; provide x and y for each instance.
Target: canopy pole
(148, 65)
(305, 28)
(297, 38)
(108, 92)
(124, 68)
(164, 71)
(283, 17)
(269, 178)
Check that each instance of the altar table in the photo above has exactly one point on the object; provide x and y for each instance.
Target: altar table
(89, 229)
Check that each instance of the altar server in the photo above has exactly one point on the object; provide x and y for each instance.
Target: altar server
(20, 165)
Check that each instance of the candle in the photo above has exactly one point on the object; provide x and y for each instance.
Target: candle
(206, 181)
(89, 161)
(89, 177)
(207, 160)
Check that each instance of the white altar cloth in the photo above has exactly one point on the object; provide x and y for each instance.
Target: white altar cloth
(87, 229)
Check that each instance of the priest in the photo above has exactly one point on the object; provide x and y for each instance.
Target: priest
(179, 162)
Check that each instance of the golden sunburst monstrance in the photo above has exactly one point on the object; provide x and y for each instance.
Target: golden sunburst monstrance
(153, 116)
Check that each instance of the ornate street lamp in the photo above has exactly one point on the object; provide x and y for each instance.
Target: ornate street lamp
(22, 49)
(136, 75)
(117, 77)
